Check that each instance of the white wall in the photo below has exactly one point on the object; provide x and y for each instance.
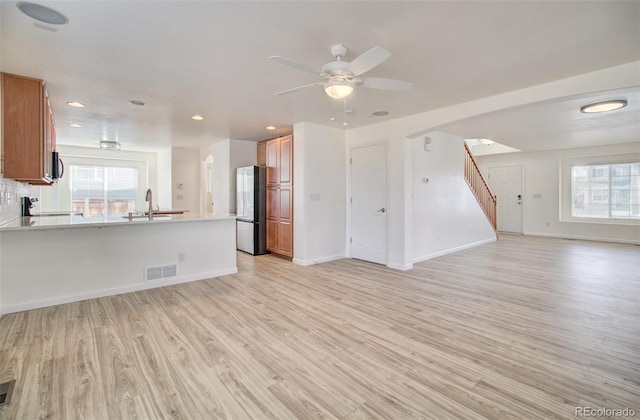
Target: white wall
(241, 153)
(88, 262)
(185, 179)
(319, 227)
(541, 216)
(445, 214)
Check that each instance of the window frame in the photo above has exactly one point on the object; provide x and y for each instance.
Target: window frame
(64, 185)
(105, 195)
(566, 192)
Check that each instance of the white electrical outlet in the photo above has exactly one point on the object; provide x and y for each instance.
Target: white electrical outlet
(181, 256)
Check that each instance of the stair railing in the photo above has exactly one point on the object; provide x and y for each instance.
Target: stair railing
(480, 188)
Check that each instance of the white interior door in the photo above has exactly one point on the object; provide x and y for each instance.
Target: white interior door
(506, 183)
(369, 203)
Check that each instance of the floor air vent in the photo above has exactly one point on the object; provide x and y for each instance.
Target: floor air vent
(6, 389)
(160, 272)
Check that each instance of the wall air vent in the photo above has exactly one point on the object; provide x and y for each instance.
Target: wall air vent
(160, 272)
(152, 273)
(170, 270)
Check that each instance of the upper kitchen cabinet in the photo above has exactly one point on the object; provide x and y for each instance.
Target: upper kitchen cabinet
(279, 160)
(28, 130)
(262, 153)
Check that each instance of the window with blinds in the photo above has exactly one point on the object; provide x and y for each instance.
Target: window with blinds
(610, 191)
(101, 191)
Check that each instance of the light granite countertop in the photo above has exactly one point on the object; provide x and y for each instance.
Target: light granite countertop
(66, 222)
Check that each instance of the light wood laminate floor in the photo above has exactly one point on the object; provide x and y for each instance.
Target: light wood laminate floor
(524, 328)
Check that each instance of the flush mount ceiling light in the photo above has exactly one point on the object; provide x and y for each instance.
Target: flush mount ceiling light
(76, 104)
(603, 106)
(75, 125)
(197, 117)
(42, 13)
(136, 102)
(338, 89)
(109, 145)
(270, 127)
(380, 113)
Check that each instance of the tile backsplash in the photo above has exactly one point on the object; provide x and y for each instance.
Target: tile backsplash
(10, 199)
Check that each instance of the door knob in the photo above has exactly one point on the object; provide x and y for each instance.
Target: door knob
(382, 210)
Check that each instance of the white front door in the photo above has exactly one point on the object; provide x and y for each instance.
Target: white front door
(369, 203)
(506, 183)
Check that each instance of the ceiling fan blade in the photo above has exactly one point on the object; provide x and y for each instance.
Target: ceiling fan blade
(386, 84)
(368, 60)
(284, 92)
(296, 65)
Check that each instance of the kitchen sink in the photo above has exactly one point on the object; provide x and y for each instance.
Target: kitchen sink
(145, 216)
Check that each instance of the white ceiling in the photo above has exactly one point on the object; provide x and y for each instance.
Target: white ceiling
(210, 58)
(557, 124)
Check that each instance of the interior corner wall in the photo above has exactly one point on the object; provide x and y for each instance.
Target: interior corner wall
(446, 216)
(241, 153)
(185, 179)
(320, 200)
(541, 195)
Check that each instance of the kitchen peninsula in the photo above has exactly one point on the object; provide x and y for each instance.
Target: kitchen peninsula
(52, 260)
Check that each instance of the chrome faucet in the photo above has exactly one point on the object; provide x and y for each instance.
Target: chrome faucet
(149, 198)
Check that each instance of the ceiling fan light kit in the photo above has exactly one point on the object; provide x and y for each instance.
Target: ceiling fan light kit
(340, 77)
(338, 89)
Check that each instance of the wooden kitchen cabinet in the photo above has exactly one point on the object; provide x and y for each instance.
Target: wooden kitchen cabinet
(262, 153)
(28, 130)
(279, 161)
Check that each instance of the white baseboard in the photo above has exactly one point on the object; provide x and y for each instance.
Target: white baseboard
(583, 238)
(451, 250)
(321, 260)
(26, 306)
(401, 267)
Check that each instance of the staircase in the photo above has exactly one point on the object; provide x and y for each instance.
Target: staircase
(480, 188)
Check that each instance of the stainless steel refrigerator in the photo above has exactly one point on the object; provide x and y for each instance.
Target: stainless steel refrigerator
(251, 224)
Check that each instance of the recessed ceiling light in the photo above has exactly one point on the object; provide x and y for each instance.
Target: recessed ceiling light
(270, 127)
(380, 113)
(76, 104)
(197, 117)
(75, 125)
(604, 106)
(136, 102)
(42, 13)
(332, 118)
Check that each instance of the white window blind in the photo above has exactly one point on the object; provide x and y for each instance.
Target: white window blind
(103, 190)
(606, 191)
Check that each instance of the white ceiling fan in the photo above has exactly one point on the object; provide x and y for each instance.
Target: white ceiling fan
(340, 76)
